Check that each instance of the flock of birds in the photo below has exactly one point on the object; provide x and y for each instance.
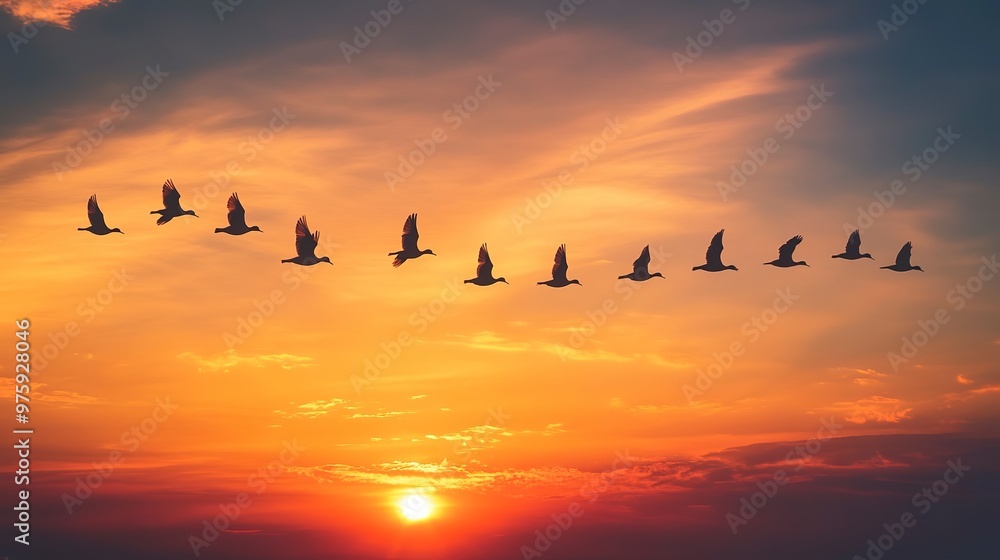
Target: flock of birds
(306, 243)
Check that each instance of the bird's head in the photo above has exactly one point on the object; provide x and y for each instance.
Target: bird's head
(502, 279)
(116, 230)
(428, 252)
(868, 256)
(918, 268)
(255, 228)
(191, 212)
(656, 274)
(325, 259)
(804, 263)
(577, 282)
(731, 267)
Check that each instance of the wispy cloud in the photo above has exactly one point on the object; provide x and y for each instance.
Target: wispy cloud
(230, 359)
(57, 12)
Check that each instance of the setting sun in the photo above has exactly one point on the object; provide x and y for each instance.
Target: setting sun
(415, 506)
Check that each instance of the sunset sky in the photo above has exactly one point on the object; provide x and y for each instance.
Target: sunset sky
(377, 395)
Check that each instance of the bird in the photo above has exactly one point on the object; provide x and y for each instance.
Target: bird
(903, 260)
(559, 269)
(713, 257)
(853, 250)
(484, 271)
(410, 250)
(305, 246)
(97, 225)
(785, 259)
(237, 218)
(640, 268)
(171, 205)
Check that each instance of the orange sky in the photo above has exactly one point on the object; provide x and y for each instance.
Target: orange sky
(569, 397)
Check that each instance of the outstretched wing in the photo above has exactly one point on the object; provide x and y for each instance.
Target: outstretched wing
(559, 267)
(485, 268)
(171, 198)
(714, 254)
(642, 263)
(786, 250)
(854, 243)
(410, 234)
(903, 258)
(237, 214)
(95, 214)
(305, 242)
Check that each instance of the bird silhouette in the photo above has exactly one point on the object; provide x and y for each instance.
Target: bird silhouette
(237, 218)
(713, 257)
(640, 268)
(484, 271)
(171, 205)
(853, 250)
(785, 259)
(410, 236)
(559, 269)
(97, 225)
(903, 260)
(305, 246)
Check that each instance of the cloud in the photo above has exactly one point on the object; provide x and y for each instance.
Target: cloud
(312, 409)
(57, 12)
(873, 409)
(231, 359)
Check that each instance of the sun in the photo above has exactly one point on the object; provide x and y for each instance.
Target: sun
(415, 506)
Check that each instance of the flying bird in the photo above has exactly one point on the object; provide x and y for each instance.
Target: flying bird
(484, 272)
(640, 268)
(713, 257)
(785, 259)
(237, 218)
(171, 205)
(559, 269)
(410, 250)
(853, 250)
(903, 260)
(97, 225)
(305, 246)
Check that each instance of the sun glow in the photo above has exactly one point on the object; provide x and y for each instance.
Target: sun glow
(415, 506)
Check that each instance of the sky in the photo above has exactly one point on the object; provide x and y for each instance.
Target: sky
(363, 411)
